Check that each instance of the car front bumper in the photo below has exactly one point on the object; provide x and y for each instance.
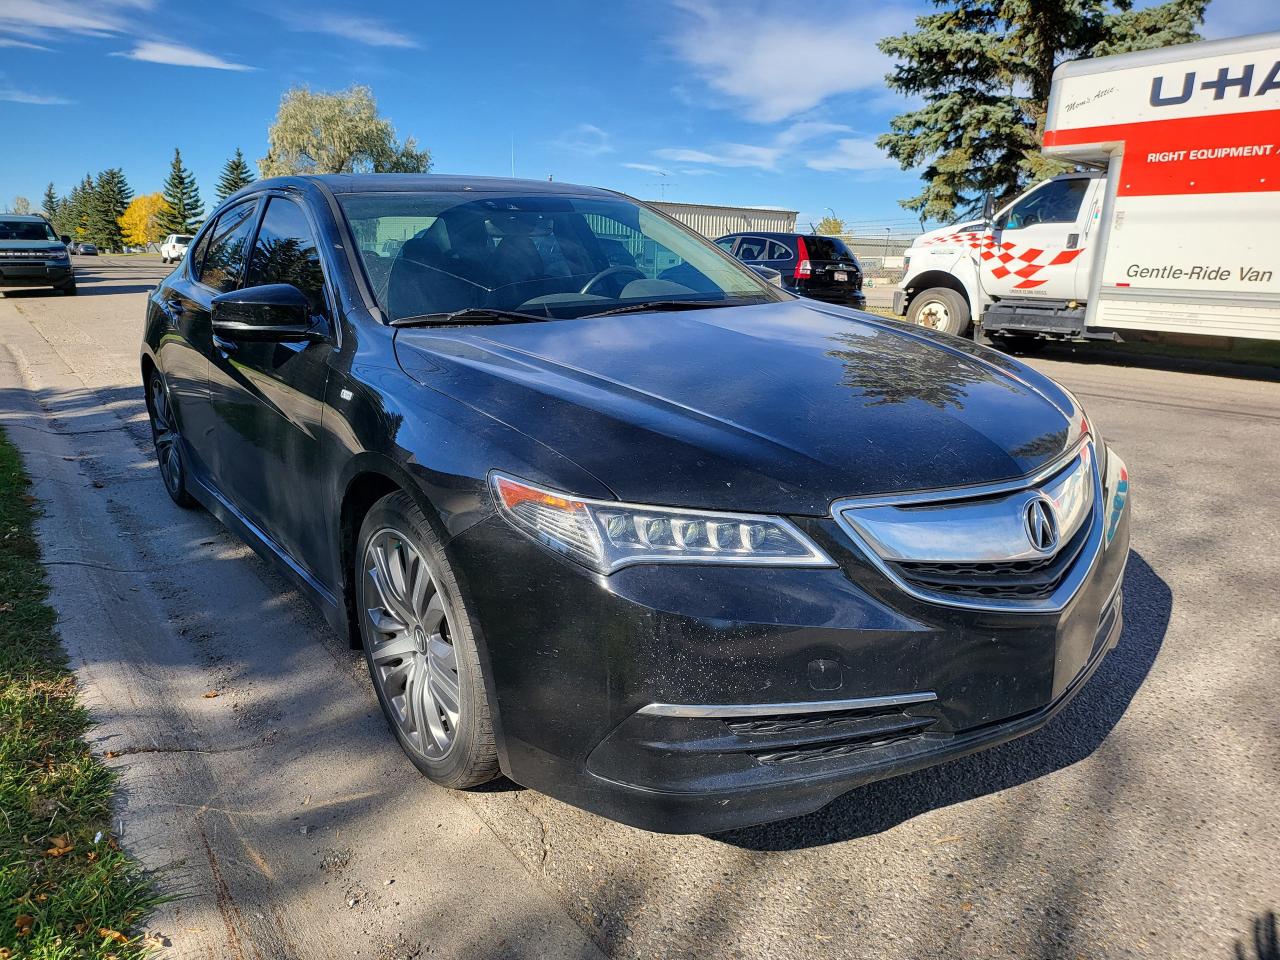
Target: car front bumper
(34, 274)
(701, 698)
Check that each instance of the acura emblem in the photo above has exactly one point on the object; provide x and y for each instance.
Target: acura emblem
(1042, 524)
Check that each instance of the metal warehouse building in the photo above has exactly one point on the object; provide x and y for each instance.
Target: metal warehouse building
(715, 221)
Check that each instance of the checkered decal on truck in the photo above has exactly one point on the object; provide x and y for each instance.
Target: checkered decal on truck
(1003, 259)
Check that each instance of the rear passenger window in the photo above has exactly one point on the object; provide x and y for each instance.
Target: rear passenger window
(228, 245)
(286, 252)
(726, 243)
(779, 251)
(752, 248)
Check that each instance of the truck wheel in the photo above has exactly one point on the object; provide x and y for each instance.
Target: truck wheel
(941, 309)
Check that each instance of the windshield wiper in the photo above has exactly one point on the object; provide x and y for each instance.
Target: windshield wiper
(668, 305)
(468, 316)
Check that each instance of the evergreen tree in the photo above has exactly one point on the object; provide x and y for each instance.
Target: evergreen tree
(235, 174)
(184, 210)
(75, 209)
(50, 205)
(107, 203)
(984, 69)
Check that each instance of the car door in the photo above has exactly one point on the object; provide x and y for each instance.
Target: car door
(268, 397)
(1034, 244)
(185, 299)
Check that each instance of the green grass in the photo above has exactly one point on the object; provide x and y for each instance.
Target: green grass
(66, 888)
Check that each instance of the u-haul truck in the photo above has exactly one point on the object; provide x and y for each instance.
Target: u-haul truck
(1173, 226)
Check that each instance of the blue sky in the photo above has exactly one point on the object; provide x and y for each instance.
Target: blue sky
(709, 101)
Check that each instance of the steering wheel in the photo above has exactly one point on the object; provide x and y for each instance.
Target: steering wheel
(613, 271)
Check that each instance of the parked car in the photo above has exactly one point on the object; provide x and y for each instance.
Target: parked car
(86, 250)
(174, 247)
(671, 544)
(811, 264)
(33, 255)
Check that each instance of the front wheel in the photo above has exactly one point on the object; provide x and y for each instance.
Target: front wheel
(941, 309)
(420, 647)
(68, 288)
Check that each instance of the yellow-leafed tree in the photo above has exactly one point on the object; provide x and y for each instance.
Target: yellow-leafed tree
(140, 221)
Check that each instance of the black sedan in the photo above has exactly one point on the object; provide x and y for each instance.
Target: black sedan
(613, 516)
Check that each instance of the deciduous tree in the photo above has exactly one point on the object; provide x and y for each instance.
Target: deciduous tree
(984, 68)
(831, 226)
(184, 208)
(235, 174)
(21, 205)
(337, 133)
(140, 222)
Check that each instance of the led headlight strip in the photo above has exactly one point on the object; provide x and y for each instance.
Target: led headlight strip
(606, 535)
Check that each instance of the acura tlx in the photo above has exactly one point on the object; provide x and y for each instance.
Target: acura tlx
(611, 515)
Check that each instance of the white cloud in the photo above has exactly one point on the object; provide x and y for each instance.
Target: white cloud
(725, 155)
(852, 153)
(43, 19)
(585, 138)
(652, 168)
(373, 33)
(175, 54)
(14, 95)
(10, 42)
(776, 65)
(815, 137)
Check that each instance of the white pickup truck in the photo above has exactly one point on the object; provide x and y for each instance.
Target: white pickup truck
(174, 247)
(1171, 225)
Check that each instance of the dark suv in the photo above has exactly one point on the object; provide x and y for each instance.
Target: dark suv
(811, 264)
(33, 255)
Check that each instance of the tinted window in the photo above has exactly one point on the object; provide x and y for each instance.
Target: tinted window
(1056, 202)
(285, 252)
(26, 230)
(228, 243)
(827, 248)
(726, 243)
(752, 248)
(556, 255)
(778, 251)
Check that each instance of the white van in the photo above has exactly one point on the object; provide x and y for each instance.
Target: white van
(1169, 226)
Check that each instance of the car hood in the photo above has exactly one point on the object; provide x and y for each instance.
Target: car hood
(779, 407)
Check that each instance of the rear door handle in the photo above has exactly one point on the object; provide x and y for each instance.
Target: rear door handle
(1073, 240)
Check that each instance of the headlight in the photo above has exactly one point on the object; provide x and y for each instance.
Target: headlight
(606, 535)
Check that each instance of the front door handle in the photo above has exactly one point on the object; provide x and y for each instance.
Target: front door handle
(226, 346)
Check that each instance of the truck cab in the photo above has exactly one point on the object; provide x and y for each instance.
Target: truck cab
(1024, 266)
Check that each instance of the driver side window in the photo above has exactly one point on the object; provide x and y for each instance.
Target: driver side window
(1056, 202)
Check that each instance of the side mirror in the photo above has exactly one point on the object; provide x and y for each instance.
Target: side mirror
(988, 208)
(65, 239)
(273, 312)
(768, 274)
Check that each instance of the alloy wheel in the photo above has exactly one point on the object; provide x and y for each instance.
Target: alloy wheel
(409, 640)
(164, 433)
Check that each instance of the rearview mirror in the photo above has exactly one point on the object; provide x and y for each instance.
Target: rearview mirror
(988, 208)
(273, 312)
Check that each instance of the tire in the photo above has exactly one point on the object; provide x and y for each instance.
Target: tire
(164, 260)
(69, 289)
(420, 646)
(941, 309)
(167, 440)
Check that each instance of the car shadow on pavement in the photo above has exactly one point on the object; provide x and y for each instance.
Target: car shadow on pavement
(1071, 736)
(1266, 940)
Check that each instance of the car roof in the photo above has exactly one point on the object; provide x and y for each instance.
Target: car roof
(29, 217)
(775, 234)
(432, 182)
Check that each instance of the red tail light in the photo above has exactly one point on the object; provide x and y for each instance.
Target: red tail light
(803, 267)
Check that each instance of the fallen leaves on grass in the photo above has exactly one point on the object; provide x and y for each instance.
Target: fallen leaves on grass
(23, 922)
(108, 934)
(61, 847)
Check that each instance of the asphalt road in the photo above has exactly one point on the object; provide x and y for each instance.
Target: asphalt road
(1142, 822)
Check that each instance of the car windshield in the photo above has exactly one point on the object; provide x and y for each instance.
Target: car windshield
(435, 253)
(26, 230)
